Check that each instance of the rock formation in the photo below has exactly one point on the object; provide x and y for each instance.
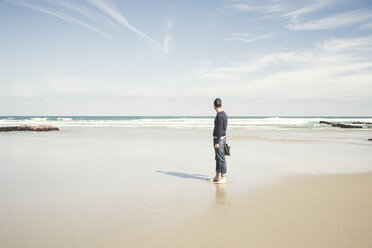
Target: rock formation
(341, 125)
(29, 128)
(361, 122)
(325, 122)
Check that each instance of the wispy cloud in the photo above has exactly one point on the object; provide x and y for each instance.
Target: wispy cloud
(75, 7)
(278, 8)
(167, 43)
(333, 21)
(296, 12)
(113, 12)
(84, 11)
(248, 38)
(60, 15)
(336, 68)
(312, 7)
(347, 45)
(262, 6)
(105, 7)
(169, 23)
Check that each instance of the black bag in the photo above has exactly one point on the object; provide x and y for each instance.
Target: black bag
(226, 148)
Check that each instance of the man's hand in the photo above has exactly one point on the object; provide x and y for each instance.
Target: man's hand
(216, 146)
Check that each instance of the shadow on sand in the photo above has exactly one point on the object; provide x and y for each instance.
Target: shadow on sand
(184, 175)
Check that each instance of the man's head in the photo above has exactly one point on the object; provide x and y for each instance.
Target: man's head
(217, 103)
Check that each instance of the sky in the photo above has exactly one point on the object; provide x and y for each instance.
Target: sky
(111, 57)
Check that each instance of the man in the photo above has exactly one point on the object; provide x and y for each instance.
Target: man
(219, 140)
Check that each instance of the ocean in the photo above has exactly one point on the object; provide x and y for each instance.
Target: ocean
(186, 122)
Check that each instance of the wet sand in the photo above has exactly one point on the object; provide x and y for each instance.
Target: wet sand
(300, 211)
(114, 187)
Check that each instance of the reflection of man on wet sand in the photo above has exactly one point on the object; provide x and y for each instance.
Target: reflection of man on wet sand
(220, 193)
(219, 140)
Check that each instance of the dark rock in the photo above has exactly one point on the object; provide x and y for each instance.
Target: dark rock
(345, 125)
(369, 139)
(39, 128)
(341, 125)
(360, 122)
(325, 122)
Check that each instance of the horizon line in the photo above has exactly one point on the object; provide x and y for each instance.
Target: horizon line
(285, 116)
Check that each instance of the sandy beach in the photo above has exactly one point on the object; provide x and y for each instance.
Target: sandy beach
(300, 211)
(142, 187)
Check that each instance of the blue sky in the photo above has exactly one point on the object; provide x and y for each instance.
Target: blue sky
(262, 57)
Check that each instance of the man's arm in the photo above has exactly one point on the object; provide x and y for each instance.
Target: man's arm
(219, 125)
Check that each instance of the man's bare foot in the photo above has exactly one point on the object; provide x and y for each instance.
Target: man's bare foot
(216, 178)
(222, 180)
(213, 180)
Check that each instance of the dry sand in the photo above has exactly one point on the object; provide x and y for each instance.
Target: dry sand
(300, 211)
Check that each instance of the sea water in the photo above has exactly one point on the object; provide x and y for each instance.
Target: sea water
(305, 128)
(235, 122)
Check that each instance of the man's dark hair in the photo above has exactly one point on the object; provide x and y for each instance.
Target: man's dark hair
(218, 103)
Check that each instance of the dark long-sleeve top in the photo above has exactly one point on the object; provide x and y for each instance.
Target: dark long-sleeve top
(220, 126)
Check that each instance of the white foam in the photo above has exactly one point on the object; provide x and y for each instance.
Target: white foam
(269, 123)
